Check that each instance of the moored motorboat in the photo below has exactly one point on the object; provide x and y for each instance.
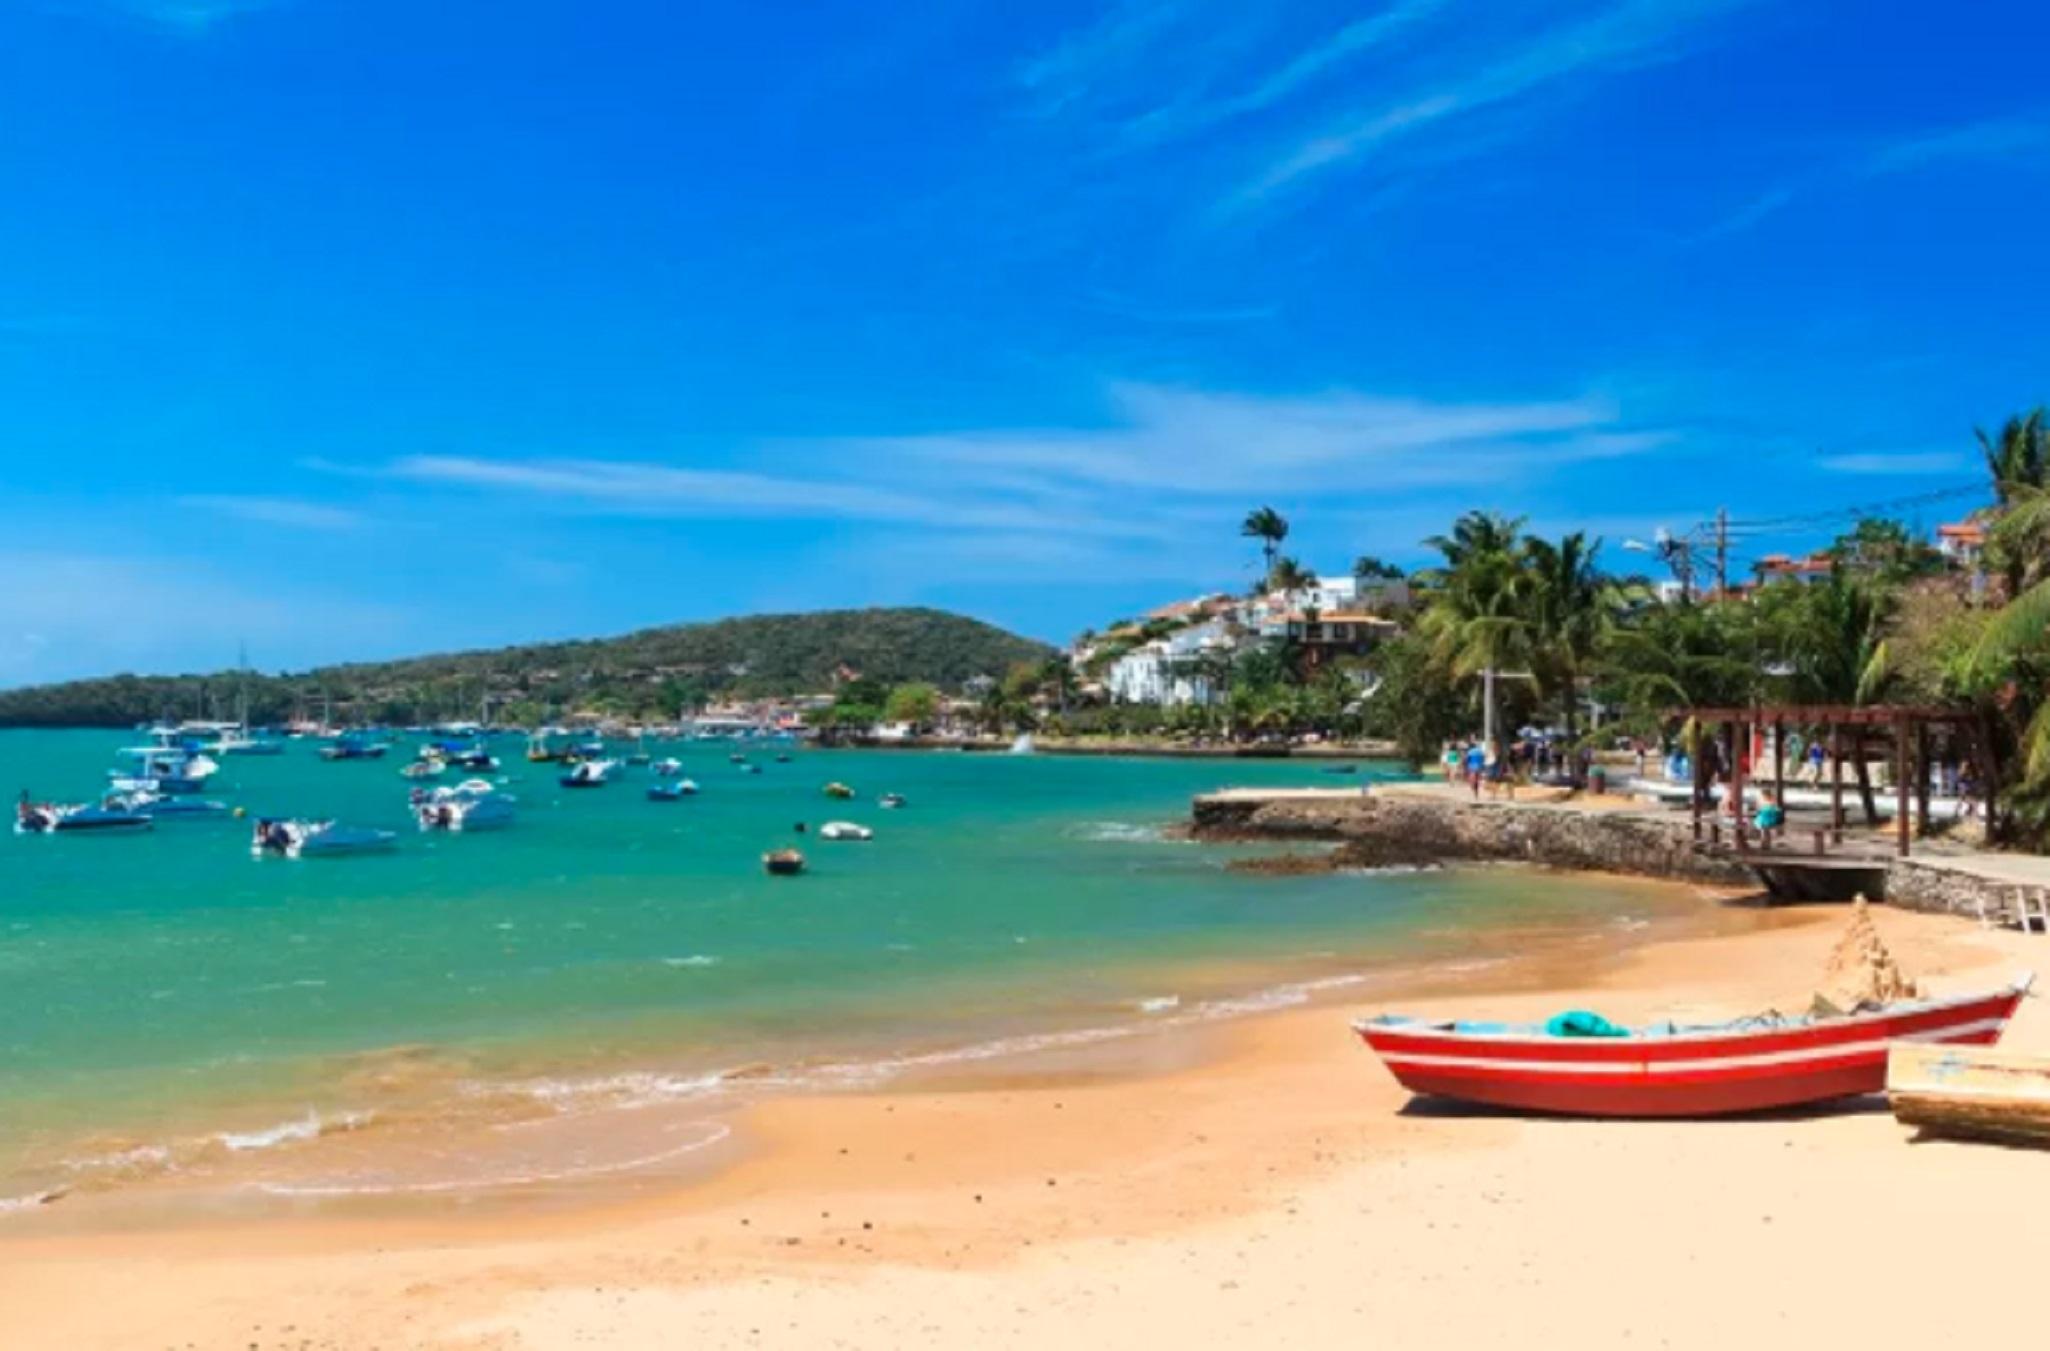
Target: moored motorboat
(671, 792)
(316, 839)
(891, 800)
(428, 767)
(161, 806)
(471, 806)
(588, 774)
(163, 769)
(47, 818)
(1752, 1064)
(354, 746)
(783, 862)
(666, 769)
(838, 790)
(845, 830)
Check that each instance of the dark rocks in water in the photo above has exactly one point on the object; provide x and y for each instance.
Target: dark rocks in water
(1285, 865)
(1366, 852)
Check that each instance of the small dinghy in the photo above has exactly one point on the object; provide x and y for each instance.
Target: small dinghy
(667, 769)
(845, 830)
(783, 862)
(431, 768)
(45, 818)
(588, 774)
(671, 792)
(316, 839)
(750, 768)
(838, 790)
(891, 800)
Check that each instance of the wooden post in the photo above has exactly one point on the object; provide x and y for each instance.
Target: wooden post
(1836, 784)
(1740, 735)
(1900, 786)
(1696, 776)
(1922, 779)
(1779, 762)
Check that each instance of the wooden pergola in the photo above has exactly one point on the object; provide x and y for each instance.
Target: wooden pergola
(1910, 735)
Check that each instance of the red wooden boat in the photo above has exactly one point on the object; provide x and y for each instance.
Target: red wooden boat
(1752, 1065)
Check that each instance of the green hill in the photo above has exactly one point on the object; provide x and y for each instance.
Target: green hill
(647, 674)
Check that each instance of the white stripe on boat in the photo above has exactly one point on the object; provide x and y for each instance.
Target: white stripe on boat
(1758, 1059)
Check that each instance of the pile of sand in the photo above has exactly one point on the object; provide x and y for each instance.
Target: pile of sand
(1861, 970)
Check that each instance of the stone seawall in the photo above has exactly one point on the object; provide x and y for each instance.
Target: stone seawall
(1394, 827)
(1390, 827)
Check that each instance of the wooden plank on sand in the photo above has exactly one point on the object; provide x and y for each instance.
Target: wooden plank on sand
(1980, 1092)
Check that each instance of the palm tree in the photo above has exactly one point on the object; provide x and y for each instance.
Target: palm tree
(2008, 668)
(1569, 606)
(1475, 621)
(1836, 641)
(1269, 527)
(1288, 576)
(2019, 456)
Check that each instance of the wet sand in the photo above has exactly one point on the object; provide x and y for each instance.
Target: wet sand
(1253, 1183)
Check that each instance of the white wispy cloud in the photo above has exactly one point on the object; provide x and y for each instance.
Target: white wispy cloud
(291, 512)
(1174, 441)
(1625, 35)
(2017, 139)
(1188, 115)
(192, 17)
(1161, 457)
(1109, 48)
(2005, 138)
(1897, 463)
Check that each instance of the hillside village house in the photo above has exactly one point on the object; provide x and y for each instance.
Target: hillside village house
(1334, 618)
(1168, 670)
(1962, 544)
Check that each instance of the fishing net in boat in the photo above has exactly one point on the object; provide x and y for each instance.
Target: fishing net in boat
(1861, 971)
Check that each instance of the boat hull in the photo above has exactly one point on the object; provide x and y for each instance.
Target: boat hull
(1698, 1074)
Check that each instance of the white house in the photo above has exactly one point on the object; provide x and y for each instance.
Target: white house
(1164, 671)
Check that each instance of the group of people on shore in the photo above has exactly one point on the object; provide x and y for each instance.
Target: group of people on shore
(1498, 769)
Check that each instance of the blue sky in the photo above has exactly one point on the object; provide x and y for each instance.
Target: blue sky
(352, 328)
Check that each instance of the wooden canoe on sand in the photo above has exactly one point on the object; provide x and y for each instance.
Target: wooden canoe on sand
(1978, 1092)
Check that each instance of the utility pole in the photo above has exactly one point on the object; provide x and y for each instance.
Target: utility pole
(1722, 553)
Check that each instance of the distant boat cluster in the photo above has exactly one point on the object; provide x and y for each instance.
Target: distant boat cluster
(167, 777)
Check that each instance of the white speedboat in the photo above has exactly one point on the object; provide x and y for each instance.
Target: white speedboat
(316, 839)
(588, 774)
(667, 769)
(161, 806)
(845, 830)
(473, 806)
(45, 818)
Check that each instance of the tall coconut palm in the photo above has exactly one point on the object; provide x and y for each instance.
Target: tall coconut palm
(1287, 576)
(1476, 621)
(2008, 668)
(2019, 457)
(1835, 639)
(1569, 605)
(1269, 527)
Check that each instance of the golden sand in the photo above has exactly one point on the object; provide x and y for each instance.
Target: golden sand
(1266, 1185)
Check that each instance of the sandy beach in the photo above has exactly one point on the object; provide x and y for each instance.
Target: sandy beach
(1260, 1183)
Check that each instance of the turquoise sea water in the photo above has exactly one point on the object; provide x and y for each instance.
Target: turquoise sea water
(167, 982)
